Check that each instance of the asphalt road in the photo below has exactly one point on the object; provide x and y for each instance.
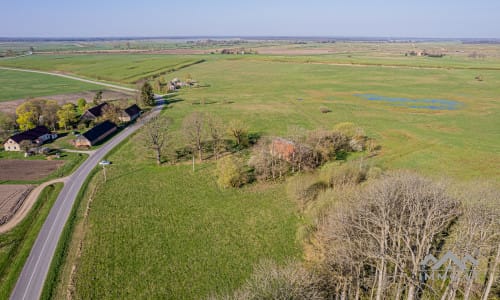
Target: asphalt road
(31, 281)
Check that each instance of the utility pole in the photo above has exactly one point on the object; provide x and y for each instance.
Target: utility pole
(104, 171)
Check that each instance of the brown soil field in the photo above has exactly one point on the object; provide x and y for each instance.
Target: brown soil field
(10, 106)
(11, 198)
(18, 169)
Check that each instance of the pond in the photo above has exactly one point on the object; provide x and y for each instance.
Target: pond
(433, 104)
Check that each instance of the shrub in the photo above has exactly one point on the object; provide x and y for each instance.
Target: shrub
(271, 281)
(349, 129)
(374, 173)
(324, 110)
(231, 172)
(265, 165)
(304, 188)
(346, 174)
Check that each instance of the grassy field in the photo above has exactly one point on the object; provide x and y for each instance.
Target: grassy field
(15, 245)
(184, 238)
(126, 68)
(441, 142)
(17, 85)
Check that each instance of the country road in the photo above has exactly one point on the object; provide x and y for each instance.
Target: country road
(31, 281)
(113, 86)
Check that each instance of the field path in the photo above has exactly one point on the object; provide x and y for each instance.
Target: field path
(28, 204)
(113, 86)
(32, 279)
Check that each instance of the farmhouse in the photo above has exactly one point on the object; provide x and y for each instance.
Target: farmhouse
(130, 113)
(96, 134)
(94, 112)
(36, 136)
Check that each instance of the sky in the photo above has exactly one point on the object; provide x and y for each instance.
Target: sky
(353, 18)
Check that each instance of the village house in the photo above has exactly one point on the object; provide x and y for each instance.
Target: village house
(130, 113)
(36, 136)
(93, 113)
(96, 134)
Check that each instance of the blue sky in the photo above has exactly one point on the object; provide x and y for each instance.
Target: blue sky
(389, 18)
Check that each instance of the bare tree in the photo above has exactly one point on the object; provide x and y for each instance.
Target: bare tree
(157, 135)
(239, 130)
(216, 131)
(193, 129)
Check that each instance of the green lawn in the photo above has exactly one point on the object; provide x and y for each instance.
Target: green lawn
(16, 85)
(16, 244)
(123, 68)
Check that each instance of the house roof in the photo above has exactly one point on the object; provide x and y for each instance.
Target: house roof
(132, 110)
(31, 134)
(97, 110)
(98, 130)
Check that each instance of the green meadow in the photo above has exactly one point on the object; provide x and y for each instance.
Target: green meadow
(166, 232)
(17, 85)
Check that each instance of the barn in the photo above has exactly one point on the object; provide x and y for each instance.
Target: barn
(95, 135)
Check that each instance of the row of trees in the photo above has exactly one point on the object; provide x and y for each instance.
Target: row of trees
(201, 132)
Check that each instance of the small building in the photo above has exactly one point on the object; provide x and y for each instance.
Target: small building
(96, 134)
(93, 113)
(36, 136)
(130, 113)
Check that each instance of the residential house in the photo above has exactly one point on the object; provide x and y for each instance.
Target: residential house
(36, 136)
(130, 113)
(95, 135)
(93, 113)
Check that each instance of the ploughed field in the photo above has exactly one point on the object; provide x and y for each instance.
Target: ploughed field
(19, 169)
(11, 198)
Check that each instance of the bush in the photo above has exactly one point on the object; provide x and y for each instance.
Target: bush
(265, 165)
(346, 174)
(349, 129)
(231, 172)
(271, 281)
(304, 188)
(374, 173)
(324, 109)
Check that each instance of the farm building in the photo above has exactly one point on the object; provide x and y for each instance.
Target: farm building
(36, 136)
(130, 113)
(94, 112)
(96, 134)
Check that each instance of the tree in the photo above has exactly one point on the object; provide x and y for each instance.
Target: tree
(28, 114)
(147, 95)
(49, 113)
(157, 135)
(231, 172)
(98, 97)
(112, 113)
(216, 131)
(25, 145)
(193, 129)
(82, 105)
(240, 132)
(7, 124)
(67, 115)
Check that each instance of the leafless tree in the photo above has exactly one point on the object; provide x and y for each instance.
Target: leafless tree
(216, 131)
(157, 135)
(193, 129)
(239, 130)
